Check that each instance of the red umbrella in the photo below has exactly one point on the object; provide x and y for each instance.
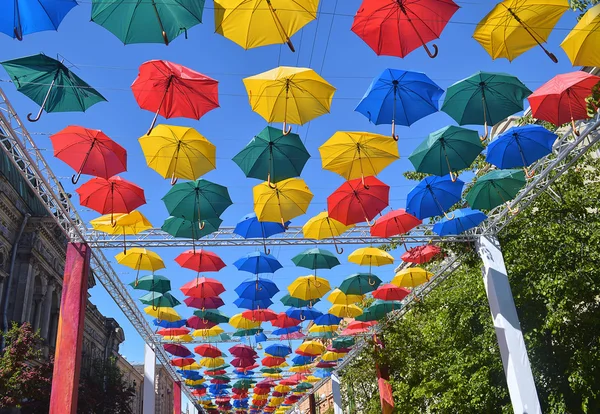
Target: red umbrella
(284, 321)
(246, 369)
(326, 364)
(200, 261)
(215, 372)
(289, 382)
(173, 331)
(298, 377)
(394, 223)
(421, 254)
(242, 351)
(114, 195)
(259, 315)
(261, 391)
(292, 336)
(172, 90)
(562, 98)
(357, 327)
(199, 392)
(396, 28)
(218, 381)
(242, 362)
(197, 322)
(182, 362)
(212, 302)
(203, 287)
(177, 350)
(239, 394)
(271, 361)
(390, 292)
(208, 351)
(266, 383)
(354, 202)
(89, 151)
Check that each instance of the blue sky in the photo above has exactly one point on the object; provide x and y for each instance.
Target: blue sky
(328, 46)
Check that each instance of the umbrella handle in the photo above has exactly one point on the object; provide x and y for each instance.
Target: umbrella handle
(202, 225)
(435, 50)
(269, 183)
(396, 137)
(372, 284)
(453, 176)
(75, 178)
(286, 129)
(18, 34)
(528, 174)
(39, 114)
(575, 129)
(513, 211)
(291, 45)
(339, 250)
(449, 216)
(363, 182)
(174, 179)
(485, 136)
(37, 117)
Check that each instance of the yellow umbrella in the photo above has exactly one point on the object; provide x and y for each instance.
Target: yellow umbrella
(345, 311)
(140, 259)
(337, 297)
(322, 226)
(290, 198)
(163, 313)
(182, 338)
(275, 376)
(358, 154)
(178, 152)
(129, 223)
(515, 26)
(323, 328)
(332, 356)
(255, 23)
(411, 277)
(212, 362)
(581, 44)
(370, 256)
(288, 94)
(239, 322)
(259, 397)
(311, 348)
(309, 287)
(194, 382)
(282, 388)
(313, 379)
(301, 368)
(214, 331)
(192, 367)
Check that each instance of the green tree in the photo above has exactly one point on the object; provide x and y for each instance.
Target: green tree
(102, 390)
(582, 5)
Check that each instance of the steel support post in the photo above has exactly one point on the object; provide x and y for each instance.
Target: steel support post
(519, 378)
(149, 378)
(176, 397)
(312, 404)
(69, 338)
(337, 395)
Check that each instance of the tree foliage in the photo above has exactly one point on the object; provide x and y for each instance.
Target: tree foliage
(583, 5)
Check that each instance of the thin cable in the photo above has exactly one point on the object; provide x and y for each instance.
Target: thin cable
(328, 37)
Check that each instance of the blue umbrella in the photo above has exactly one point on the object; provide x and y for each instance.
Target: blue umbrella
(260, 337)
(257, 289)
(327, 319)
(322, 373)
(520, 147)
(464, 219)
(400, 97)
(193, 375)
(250, 228)
(244, 303)
(278, 350)
(302, 360)
(22, 17)
(166, 324)
(286, 331)
(258, 262)
(433, 196)
(303, 313)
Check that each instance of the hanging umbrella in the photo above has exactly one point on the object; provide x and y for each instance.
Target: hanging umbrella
(212, 315)
(211, 362)
(196, 322)
(171, 332)
(129, 223)
(50, 84)
(156, 21)
(464, 219)
(563, 98)
(211, 302)
(400, 97)
(243, 351)
(284, 321)
(390, 292)
(309, 94)
(345, 311)
(327, 319)
(358, 327)
(310, 348)
(178, 227)
(359, 284)
(447, 151)
(322, 227)
(303, 314)
(171, 90)
(255, 23)
(581, 44)
(182, 362)
(315, 259)
(495, 188)
(393, 28)
(357, 201)
(215, 331)
(379, 310)
(152, 283)
(287, 300)
(202, 287)
(159, 299)
(515, 26)
(342, 342)
(177, 350)
(258, 288)
(309, 287)
(433, 196)
(252, 304)
(411, 277)
(278, 350)
(337, 297)
(394, 223)
(258, 262)
(260, 315)
(140, 259)
(485, 98)
(178, 152)
(421, 254)
(111, 196)
(289, 199)
(165, 314)
(250, 227)
(200, 261)
(89, 151)
(370, 256)
(23, 17)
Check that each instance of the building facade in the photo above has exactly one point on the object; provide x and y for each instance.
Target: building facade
(163, 389)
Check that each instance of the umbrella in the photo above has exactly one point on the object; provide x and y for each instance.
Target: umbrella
(289, 199)
(337, 297)
(358, 200)
(247, 332)
(211, 302)
(172, 90)
(371, 256)
(278, 350)
(254, 23)
(258, 262)
(563, 98)
(129, 223)
(212, 315)
(258, 288)
(342, 342)
(309, 95)
(515, 26)
(446, 151)
(485, 98)
(200, 261)
(178, 227)
(171, 332)
(379, 310)
(394, 223)
(215, 331)
(89, 151)
(243, 351)
(396, 28)
(273, 156)
(152, 283)
(287, 300)
(22, 17)
(50, 84)
(400, 97)
(358, 327)
(159, 299)
(495, 188)
(261, 315)
(182, 362)
(178, 152)
(252, 304)
(322, 226)
(360, 283)
(433, 196)
(206, 350)
(581, 44)
(421, 254)
(464, 219)
(140, 259)
(200, 323)
(345, 311)
(303, 314)
(203, 287)
(165, 314)
(390, 292)
(520, 147)
(315, 259)
(411, 277)
(249, 228)
(326, 320)
(177, 350)
(114, 195)
(309, 287)
(211, 362)
(284, 321)
(166, 324)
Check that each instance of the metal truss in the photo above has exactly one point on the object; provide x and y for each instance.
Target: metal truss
(21, 149)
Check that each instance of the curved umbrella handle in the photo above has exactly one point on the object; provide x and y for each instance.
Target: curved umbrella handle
(449, 216)
(369, 223)
(267, 250)
(272, 185)
(202, 225)
(286, 129)
(372, 284)
(363, 182)
(18, 34)
(435, 50)
(302, 317)
(37, 117)
(485, 136)
(396, 137)
(513, 211)
(528, 173)
(75, 178)
(339, 250)
(174, 179)
(453, 176)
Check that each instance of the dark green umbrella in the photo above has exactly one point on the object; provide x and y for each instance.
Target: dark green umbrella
(219, 368)
(378, 310)
(152, 283)
(303, 386)
(271, 370)
(197, 200)
(360, 283)
(288, 300)
(221, 377)
(342, 342)
(178, 227)
(325, 335)
(316, 259)
(51, 85)
(213, 315)
(485, 98)
(446, 151)
(247, 332)
(272, 156)
(495, 188)
(151, 21)
(243, 384)
(158, 299)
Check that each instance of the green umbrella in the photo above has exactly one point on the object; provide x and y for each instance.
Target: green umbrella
(303, 386)
(446, 151)
(287, 300)
(217, 338)
(325, 335)
(219, 368)
(495, 188)
(485, 98)
(178, 227)
(147, 21)
(213, 315)
(271, 370)
(51, 85)
(342, 342)
(316, 259)
(152, 283)
(197, 200)
(378, 310)
(221, 377)
(243, 384)
(158, 299)
(360, 283)
(247, 332)
(272, 156)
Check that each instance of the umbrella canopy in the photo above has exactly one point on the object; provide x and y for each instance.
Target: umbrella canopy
(178, 152)
(158, 21)
(284, 321)
(24, 17)
(345, 311)
(138, 258)
(322, 329)
(243, 351)
(206, 350)
(258, 262)
(255, 23)
(303, 314)
(515, 26)
(202, 287)
(160, 299)
(152, 283)
(212, 315)
(249, 227)
(260, 315)
(358, 200)
(289, 199)
(309, 287)
(215, 331)
(200, 261)
(253, 304)
(211, 302)
(182, 362)
(166, 314)
(310, 348)
(433, 196)
(370, 256)
(197, 200)
(411, 277)
(464, 219)
(122, 223)
(177, 350)
(114, 195)
(278, 350)
(495, 188)
(358, 327)
(196, 322)
(581, 43)
(315, 259)
(421, 254)
(322, 226)
(337, 297)
(394, 223)
(379, 310)
(258, 288)
(179, 227)
(359, 284)
(390, 292)
(287, 300)
(50, 84)
(393, 28)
